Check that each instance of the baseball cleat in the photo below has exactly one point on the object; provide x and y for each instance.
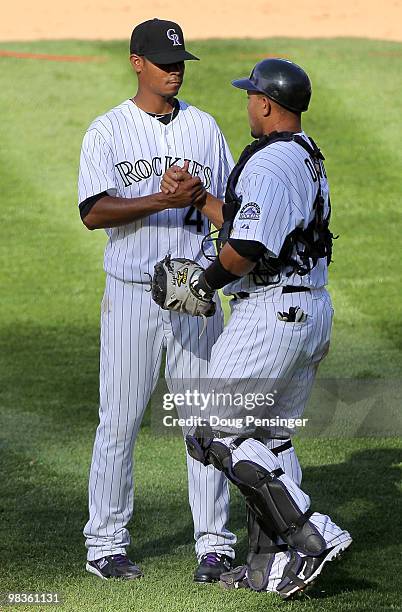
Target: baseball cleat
(235, 579)
(114, 566)
(211, 566)
(300, 572)
(262, 572)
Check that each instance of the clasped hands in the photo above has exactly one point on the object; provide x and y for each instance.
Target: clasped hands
(181, 188)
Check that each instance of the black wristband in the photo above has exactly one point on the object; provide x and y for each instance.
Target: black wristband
(203, 285)
(216, 276)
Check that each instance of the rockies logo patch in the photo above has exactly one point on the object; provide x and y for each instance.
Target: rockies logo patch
(250, 211)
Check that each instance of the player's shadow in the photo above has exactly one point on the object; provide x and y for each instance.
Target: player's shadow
(44, 524)
(50, 379)
(43, 514)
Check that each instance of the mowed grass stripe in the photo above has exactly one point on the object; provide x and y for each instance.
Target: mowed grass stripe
(53, 108)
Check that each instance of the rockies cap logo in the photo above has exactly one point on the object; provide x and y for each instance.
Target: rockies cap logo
(171, 34)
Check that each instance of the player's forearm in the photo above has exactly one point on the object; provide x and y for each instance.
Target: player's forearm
(212, 208)
(228, 267)
(235, 263)
(113, 212)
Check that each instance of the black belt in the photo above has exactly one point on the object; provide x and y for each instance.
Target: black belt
(242, 295)
(290, 289)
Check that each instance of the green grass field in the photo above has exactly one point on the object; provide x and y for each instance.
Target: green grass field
(51, 285)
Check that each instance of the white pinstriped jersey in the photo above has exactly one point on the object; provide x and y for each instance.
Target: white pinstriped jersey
(125, 152)
(278, 186)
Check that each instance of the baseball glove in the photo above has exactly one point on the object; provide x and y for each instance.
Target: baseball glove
(174, 287)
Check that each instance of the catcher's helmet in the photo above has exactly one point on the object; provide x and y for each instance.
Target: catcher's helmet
(282, 81)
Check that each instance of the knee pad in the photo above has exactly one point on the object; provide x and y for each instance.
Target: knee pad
(199, 443)
(220, 456)
(275, 509)
(202, 447)
(196, 449)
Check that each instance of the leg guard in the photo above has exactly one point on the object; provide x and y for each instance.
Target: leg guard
(199, 443)
(256, 574)
(262, 549)
(275, 508)
(266, 495)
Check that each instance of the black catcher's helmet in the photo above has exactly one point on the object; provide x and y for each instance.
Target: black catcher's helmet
(280, 80)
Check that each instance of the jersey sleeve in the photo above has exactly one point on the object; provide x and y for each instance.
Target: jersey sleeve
(266, 213)
(225, 165)
(97, 173)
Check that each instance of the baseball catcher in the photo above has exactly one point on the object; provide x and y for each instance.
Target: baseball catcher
(274, 249)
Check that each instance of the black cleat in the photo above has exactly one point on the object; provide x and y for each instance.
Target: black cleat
(211, 566)
(300, 572)
(114, 566)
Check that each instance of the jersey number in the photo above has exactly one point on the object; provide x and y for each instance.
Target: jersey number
(198, 221)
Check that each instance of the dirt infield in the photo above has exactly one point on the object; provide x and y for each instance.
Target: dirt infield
(109, 19)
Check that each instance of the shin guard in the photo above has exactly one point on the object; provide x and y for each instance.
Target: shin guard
(275, 509)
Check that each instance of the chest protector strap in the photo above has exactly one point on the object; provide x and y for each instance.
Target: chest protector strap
(309, 244)
(232, 201)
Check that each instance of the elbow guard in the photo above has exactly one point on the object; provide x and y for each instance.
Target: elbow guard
(250, 249)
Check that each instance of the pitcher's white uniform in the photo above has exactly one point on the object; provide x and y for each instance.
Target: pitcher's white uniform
(125, 153)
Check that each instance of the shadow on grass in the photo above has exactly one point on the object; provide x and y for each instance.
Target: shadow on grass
(42, 518)
(53, 371)
(50, 371)
(43, 510)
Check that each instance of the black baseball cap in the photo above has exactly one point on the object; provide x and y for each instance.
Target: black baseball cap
(160, 41)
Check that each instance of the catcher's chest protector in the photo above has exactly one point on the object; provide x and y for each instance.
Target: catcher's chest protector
(311, 243)
(232, 200)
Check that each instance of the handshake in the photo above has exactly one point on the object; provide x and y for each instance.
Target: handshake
(182, 189)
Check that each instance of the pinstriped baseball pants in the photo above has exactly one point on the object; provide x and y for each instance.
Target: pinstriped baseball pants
(134, 331)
